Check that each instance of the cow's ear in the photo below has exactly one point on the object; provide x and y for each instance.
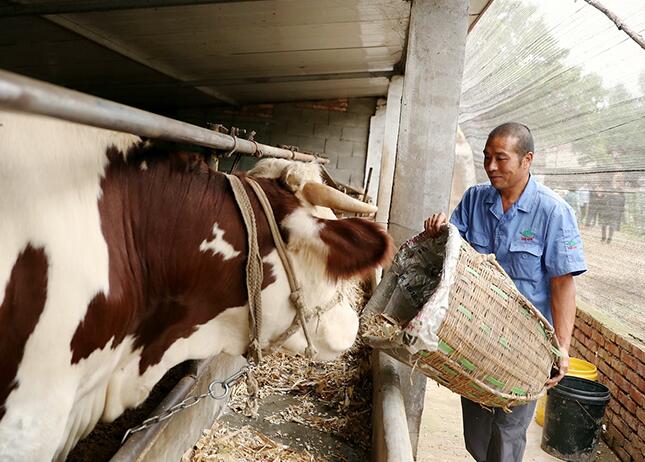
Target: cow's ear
(354, 246)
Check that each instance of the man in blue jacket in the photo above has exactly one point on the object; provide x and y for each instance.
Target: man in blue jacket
(534, 236)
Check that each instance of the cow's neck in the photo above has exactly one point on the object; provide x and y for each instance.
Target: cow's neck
(177, 254)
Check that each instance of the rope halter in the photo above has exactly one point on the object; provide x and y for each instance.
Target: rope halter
(254, 276)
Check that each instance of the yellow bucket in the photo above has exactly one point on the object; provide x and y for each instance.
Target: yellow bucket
(577, 368)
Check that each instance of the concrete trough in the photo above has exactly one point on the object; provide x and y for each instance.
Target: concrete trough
(169, 439)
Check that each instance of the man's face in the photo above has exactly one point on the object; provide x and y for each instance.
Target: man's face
(503, 165)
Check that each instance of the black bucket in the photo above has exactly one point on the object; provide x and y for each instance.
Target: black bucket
(573, 419)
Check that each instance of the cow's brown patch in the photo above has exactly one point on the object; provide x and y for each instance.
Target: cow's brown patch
(355, 246)
(24, 301)
(162, 287)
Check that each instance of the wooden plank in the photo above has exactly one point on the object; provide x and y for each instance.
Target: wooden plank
(303, 91)
(269, 13)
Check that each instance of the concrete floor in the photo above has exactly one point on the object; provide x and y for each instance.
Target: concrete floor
(441, 439)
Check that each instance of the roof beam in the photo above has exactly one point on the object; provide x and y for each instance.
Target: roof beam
(123, 48)
(93, 6)
(219, 82)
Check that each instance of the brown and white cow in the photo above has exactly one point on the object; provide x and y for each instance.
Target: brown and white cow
(118, 261)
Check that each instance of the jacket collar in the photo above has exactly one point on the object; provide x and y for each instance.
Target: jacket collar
(524, 203)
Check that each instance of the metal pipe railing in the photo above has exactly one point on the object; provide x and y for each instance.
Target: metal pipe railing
(28, 95)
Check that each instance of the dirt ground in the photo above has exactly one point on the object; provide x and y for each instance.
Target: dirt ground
(441, 437)
(613, 283)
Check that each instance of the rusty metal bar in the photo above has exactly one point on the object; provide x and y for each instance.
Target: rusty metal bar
(24, 94)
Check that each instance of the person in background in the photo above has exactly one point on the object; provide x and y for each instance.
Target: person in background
(583, 202)
(596, 199)
(534, 236)
(611, 214)
(571, 198)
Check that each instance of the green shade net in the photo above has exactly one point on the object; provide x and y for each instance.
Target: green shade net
(564, 69)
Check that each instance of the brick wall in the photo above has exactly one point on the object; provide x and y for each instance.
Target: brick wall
(620, 359)
(336, 128)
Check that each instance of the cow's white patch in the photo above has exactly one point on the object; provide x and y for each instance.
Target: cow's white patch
(294, 175)
(218, 245)
(50, 173)
(304, 233)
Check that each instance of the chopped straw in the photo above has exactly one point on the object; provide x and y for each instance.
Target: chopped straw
(333, 397)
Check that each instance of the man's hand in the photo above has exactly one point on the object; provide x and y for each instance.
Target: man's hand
(433, 225)
(563, 368)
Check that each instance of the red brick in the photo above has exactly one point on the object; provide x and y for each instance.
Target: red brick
(638, 352)
(614, 407)
(607, 438)
(634, 451)
(630, 361)
(613, 349)
(641, 432)
(640, 414)
(584, 354)
(623, 455)
(630, 420)
(613, 388)
(583, 328)
(598, 338)
(603, 367)
(610, 336)
(621, 381)
(638, 397)
(618, 365)
(620, 426)
(623, 342)
(629, 404)
(604, 354)
(636, 380)
(593, 347)
(585, 340)
(581, 316)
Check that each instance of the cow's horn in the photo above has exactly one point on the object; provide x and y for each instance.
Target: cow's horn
(326, 196)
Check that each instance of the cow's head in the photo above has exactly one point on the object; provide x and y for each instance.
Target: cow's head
(328, 255)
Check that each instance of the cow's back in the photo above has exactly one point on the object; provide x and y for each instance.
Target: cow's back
(53, 261)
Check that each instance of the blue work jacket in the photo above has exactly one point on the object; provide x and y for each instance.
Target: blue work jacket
(535, 240)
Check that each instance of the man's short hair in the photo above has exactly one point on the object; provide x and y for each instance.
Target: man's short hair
(521, 133)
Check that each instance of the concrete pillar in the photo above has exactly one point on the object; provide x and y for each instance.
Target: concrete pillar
(390, 140)
(430, 107)
(463, 175)
(375, 149)
(426, 140)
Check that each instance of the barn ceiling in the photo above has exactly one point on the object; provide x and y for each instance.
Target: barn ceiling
(164, 54)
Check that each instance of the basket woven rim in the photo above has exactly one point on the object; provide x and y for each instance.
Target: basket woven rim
(511, 398)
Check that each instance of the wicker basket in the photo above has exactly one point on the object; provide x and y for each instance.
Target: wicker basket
(475, 334)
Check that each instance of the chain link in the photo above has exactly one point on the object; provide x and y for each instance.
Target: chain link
(190, 401)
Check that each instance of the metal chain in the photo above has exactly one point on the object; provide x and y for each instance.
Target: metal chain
(224, 385)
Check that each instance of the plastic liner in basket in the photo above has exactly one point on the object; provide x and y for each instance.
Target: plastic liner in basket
(459, 319)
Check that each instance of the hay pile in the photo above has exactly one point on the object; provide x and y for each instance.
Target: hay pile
(333, 397)
(224, 444)
(343, 386)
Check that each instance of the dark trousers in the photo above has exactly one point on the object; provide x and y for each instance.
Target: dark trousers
(495, 436)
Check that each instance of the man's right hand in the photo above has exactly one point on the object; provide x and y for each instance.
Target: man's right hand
(433, 225)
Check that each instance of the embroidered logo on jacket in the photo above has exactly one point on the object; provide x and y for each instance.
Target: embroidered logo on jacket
(527, 235)
(571, 245)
